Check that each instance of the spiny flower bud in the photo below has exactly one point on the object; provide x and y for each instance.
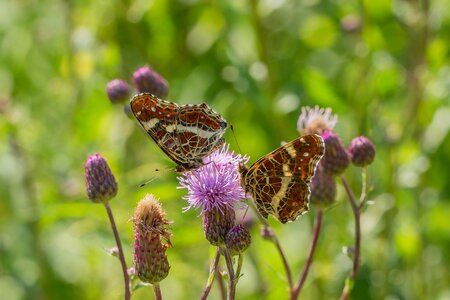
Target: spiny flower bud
(323, 188)
(238, 239)
(216, 224)
(148, 80)
(118, 91)
(362, 151)
(151, 240)
(101, 186)
(336, 159)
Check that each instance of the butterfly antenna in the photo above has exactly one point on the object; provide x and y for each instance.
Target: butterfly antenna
(156, 177)
(234, 135)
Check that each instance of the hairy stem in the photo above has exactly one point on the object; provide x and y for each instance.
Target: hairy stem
(212, 273)
(126, 278)
(312, 249)
(356, 212)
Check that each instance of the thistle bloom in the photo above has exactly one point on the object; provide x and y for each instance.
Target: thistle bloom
(151, 240)
(315, 120)
(148, 80)
(362, 151)
(101, 186)
(322, 121)
(216, 184)
(215, 188)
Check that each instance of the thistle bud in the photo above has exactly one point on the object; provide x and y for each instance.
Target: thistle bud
(323, 188)
(238, 239)
(216, 224)
(147, 80)
(101, 186)
(118, 91)
(151, 240)
(336, 159)
(362, 151)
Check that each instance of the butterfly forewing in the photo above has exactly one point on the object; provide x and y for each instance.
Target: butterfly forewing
(279, 181)
(185, 133)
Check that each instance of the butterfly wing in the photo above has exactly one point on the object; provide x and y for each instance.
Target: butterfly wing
(185, 133)
(279, 181)
(200, 131)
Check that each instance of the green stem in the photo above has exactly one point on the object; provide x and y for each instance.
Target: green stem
(239, 266)
(119, 247)
(212, 273)
(357, 215)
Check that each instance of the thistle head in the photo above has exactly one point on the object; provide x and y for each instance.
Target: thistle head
(215, 187)
(237, 240)
(217, 223)
(148, 80)
(323, 188)
(118, 91)
(151, 240)
(336, 159)
(101, 186)
(361, 151)
(215, 184)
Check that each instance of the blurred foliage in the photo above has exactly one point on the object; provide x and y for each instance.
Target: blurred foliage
(382, 66)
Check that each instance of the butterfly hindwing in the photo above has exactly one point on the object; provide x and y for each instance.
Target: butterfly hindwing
(279, 180)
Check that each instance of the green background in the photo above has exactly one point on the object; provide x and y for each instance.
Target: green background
(382, 66)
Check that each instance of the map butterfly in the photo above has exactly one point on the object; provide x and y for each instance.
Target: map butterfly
(185, 133)
(278, 182)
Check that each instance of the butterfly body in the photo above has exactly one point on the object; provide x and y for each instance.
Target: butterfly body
(185, 133)
(278, 182)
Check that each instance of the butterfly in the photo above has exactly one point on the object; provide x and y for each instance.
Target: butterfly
(184, 133)
(278, 181)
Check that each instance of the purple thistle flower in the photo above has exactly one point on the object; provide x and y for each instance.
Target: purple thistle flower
(216, 184)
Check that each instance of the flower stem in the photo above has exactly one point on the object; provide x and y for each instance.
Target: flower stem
(277, 244)
(317, 226)
(157, 290)
(223, 292)
(356, 212)
(126, 278)
(363, 197)
(212, 273)
(231, 277)
(239, 266)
